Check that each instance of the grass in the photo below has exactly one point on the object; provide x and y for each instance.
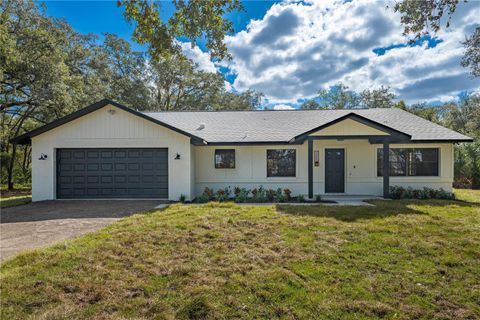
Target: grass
(468, 195)
(399, 260)
(14, 201)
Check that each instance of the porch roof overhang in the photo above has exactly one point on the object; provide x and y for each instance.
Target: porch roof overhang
(391, 135)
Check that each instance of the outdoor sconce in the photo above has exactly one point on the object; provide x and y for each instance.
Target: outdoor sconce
(42, 157)
(177, 156)
(316, 158)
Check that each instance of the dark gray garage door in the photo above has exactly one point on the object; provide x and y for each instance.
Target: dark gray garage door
(112, 173)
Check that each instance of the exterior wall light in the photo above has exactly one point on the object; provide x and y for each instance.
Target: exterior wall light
(43, 157)
(177, 156)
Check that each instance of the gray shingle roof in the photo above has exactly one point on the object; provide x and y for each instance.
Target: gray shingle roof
(282, 126)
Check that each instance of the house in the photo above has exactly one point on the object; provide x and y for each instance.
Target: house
(107, 150)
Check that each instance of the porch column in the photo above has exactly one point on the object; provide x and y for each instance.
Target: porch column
(386, 170)
(310, 168)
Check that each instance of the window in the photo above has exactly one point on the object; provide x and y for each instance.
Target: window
(225, 158)
(281, 163)
(410, 162)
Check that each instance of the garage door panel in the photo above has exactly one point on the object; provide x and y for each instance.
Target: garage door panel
(112, 173)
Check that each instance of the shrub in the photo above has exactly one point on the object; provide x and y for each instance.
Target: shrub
(182, 198)
(279, 197)
(223, 194)
(462, 182)
(398, 192)
(444, 194)
(318, 198)
(260, 194)
(208, 193)
(236, 191)
(241, 195)
(202, 199)
(301, 198)
(271, 195)
(288, 194)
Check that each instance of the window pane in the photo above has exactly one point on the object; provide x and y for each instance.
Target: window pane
(225, 158)
(281, 163)
(423, 162)
(411, 162)
(398, 162)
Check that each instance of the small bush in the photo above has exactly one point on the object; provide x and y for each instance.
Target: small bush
(462, 182)
(279, 197)
(241, 195)
(318, 198)
(260, 194)
(271, 195)
(236, 191)
(288, 194)
(202, 199)
(398, 192)
(208, 193)
(301, 198)
(182, 198)
(223, 194)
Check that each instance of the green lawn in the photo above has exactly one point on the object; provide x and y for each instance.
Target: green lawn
(14, 201)
(398, 260)
(467, 195)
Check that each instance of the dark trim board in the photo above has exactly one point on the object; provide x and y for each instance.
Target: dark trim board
(26, 137)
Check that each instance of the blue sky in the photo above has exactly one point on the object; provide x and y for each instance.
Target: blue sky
(290, 50)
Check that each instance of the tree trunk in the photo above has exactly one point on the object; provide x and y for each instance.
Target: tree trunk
(10, 167)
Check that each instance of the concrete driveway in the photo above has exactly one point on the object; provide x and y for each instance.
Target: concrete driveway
(43, 223)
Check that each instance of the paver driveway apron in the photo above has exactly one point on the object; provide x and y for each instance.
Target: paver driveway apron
(44, 223)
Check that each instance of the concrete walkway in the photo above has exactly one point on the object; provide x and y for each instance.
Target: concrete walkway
(347, 200)
(44, 223)
(339, 200)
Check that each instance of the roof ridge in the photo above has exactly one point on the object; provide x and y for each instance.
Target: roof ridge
(268, 110)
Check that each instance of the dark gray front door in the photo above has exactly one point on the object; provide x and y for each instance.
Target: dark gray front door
(334, 170)
(112, 173)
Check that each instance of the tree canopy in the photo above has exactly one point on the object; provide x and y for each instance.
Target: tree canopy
(191, 19)
(427, 17)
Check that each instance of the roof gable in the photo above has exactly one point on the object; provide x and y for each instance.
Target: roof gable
(26, 138)
(348, 127)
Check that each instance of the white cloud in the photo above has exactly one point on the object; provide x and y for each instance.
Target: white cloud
(283, 107)
(198, 56)
(298, 48)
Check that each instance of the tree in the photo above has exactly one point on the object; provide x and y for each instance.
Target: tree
(337, 97)
(426, 17)
(471, 57)
(191, 19)
(178, 84)
(377, 98)
(35, 80)
(118, 73)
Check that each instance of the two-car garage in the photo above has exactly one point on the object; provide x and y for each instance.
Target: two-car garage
(108, 173)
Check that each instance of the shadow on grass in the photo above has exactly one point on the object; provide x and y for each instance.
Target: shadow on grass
(382, 209)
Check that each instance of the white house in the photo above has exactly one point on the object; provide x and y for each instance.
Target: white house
(107, 150)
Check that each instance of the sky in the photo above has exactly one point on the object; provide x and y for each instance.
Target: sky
(290, 50)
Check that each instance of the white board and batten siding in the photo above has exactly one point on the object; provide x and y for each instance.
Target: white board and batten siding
(111, 129)
(360, 168)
